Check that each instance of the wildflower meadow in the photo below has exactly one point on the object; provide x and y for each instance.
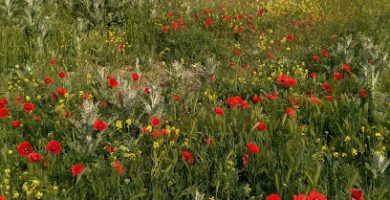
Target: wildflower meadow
(195, 99)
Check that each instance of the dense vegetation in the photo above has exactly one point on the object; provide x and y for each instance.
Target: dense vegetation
(166, 99)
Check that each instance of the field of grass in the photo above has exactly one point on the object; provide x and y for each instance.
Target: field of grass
(195, 99)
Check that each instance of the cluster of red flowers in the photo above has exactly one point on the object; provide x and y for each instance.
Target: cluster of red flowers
(155, 122)
(314, 195)
(175, 25)
(286, 81)
(356, 194)
(4, 112)
(26, 149)
(237, 101)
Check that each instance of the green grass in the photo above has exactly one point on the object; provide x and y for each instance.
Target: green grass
(329, 147)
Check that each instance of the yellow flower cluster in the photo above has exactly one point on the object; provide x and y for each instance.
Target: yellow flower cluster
(32, 189)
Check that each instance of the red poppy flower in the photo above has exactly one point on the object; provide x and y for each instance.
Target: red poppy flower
(291, 112)
(261, 126)
(286, 81)
(270, 55)
(34, 157)
(328, 98)
(155, 121)
(245, 104)
(28, 107)
(315, 58)
(187, 156)
(180, 21)
(110, 149)
(16, 123)
(66, 114)
(299, 197)
(77, 169)
(219, 111)
(164, 29)
(326, 86)
(256, 99)
(313, 75)
(53, 62)
(147, 90)
(174, 26)
(253, 148)
(281, 79)
(61, 74)
(345, 68)
(122, 47)
(113, 82)
(357, 194)
(48, 80)
(169, 14)
(3, 102)
(117, 167)
(2, 197)
(273, 197)
(290, 37)
(316, 196)
(99, 125)
(363, 93)
(337, 75)
(176, 98)
(4, 112)
(25, 148)
(290, 82)
(61, 91)
(156, 134)
(54, 147)
(237, 52)
(272, 97)
(234, 101)
(135, 76)
(325, 53)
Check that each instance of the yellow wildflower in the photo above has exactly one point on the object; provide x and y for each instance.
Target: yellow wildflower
(354, 152)
(15, 195)
(156, 145)
(118, 124)
(35, 183)
(128, 122)
(25, 186)
(149, 128)
(379, 136)
(39, 195)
